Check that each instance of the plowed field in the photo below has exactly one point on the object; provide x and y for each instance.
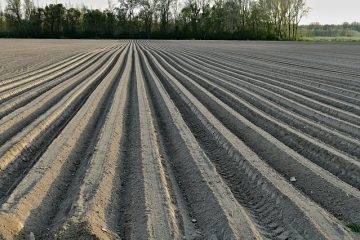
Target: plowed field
(179, 140)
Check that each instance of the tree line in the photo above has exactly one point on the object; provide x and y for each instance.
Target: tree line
(157, 19)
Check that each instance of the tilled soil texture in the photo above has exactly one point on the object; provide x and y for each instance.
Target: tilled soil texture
(179, 140)
(18, 56)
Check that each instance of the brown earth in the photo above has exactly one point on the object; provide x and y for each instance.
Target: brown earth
(179, 140)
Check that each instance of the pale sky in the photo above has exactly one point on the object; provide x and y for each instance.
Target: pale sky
(323, 11)
(333, 11)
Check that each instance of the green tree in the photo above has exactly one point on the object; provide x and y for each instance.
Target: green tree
(146, 15)
(28, 9)
(13, 16)
(200, 19)
(53, 19)
(94, 22)
(2, 21)
(110, 23)
(72, 22)
(164, 9)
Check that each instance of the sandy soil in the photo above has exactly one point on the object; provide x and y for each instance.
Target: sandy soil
(179, 140)
(21, 55)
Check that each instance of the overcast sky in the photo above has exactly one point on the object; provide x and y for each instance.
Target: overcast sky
(323, 11)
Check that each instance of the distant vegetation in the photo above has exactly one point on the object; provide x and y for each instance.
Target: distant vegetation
(342, 32)
(330, 39)
(166, 19)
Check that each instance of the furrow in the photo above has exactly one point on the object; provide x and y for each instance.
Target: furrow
(15, 83)
(283, 83)
(219, 216)
(51, 68)
(276, 87)
(143, 139)
(321, 223)
(26, 98)
(344, 206)
(162, 220)
(91, 212)
(284, 61)
(245, 63)
(37, 71)
(327, 157)
(95, 210)
(244, 67)
(20, 152)
(33, 83)
(323, 117)
(346, 144)
(20, 118)
(46, 192)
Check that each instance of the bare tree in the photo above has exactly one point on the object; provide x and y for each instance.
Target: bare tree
(28, 8)
(164, 6)
(2, 19)
(14, 8)
(127, 7)
(111, 6)
(148, 9)
(300, 10)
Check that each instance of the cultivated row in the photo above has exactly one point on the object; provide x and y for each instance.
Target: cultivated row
(181, 140)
